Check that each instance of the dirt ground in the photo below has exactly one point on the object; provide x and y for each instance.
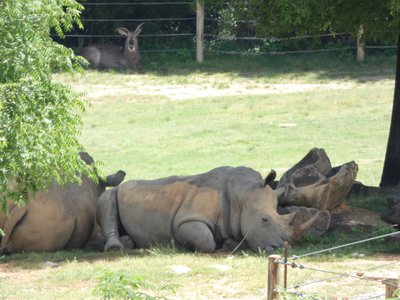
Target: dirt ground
(366, 274)
(213, 86)
(191, 91)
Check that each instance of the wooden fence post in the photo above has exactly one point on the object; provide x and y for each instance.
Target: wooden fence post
(360, 45)
(391, 285)
(273, 277)
(200, 31)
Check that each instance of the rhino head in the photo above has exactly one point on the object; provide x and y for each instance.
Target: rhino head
(261, 225)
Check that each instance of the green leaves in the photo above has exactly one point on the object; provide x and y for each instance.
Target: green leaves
(39, 119)
(114, 285)
(380, 19)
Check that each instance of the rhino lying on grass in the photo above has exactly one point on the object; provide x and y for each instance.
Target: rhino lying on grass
(200, 212)
(61, 218)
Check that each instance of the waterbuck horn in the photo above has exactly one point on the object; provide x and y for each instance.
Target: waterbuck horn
(138, 29)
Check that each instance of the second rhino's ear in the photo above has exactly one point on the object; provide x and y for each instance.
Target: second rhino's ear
(115, 179)
(269, 180)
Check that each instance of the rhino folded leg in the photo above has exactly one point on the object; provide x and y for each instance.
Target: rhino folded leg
(107, 216)
(231, 245)
(196, 236)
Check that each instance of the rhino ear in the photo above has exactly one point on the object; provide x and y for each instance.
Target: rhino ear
(269, 180)
(86, 158)
(115, 179)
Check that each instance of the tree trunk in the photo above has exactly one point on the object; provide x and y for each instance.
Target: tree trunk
(391, 166)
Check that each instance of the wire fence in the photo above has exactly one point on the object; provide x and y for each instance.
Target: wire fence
(361, 274)
(215, 41)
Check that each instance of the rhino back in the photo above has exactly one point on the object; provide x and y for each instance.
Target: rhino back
(58, 218)
(220, 178)
(233, 185)
(149, 213)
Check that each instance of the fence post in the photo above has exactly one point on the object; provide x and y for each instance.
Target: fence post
(360, 45)
(273, 277)
(200, 31)
(391, 285)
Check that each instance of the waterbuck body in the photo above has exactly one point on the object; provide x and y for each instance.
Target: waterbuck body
(109, 56)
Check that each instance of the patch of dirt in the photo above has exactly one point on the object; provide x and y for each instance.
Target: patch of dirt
(99, 92)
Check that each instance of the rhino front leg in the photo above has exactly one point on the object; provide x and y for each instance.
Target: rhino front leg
(195, 235)
(108, 219)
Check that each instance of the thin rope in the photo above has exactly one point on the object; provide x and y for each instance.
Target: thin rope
(119, 36)
(342, 246)
(338, 276)
(301, 267)
(138, 20)
(281, 52)
(376, 296)
(138, 3)
(274, 39)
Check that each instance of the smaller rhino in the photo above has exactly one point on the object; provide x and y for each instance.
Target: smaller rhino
(203, 212)
(109, 56)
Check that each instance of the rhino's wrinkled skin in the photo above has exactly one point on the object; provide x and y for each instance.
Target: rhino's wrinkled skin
(200, 212)
(60, 218)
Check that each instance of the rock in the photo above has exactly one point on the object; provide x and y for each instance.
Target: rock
(303, 214)
(179, 269)
(50, 264)
(313, 182)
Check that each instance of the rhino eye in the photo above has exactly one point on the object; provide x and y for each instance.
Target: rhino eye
(264, 220)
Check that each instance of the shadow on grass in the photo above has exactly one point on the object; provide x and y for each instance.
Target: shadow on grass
(37, 260)
(379, 65)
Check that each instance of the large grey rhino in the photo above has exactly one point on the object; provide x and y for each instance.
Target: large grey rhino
(202, 212)
(60, 218)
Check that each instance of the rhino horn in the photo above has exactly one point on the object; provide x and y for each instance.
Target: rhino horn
(299, 230)
(287, 218)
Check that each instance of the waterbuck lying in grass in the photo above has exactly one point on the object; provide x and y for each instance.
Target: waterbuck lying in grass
(109, 56)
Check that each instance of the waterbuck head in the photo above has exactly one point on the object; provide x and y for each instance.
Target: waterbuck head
(131, 47)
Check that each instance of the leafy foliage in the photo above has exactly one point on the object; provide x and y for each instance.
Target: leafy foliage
(114, 285)
(39, 118)
(380, 19)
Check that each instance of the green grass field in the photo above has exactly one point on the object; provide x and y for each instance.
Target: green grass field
(156, 124)
(180, 118)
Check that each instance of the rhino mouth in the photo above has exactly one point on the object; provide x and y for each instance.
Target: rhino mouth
(290, 235)
(271, 247)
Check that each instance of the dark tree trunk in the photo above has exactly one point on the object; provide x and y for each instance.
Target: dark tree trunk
(391, 166)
